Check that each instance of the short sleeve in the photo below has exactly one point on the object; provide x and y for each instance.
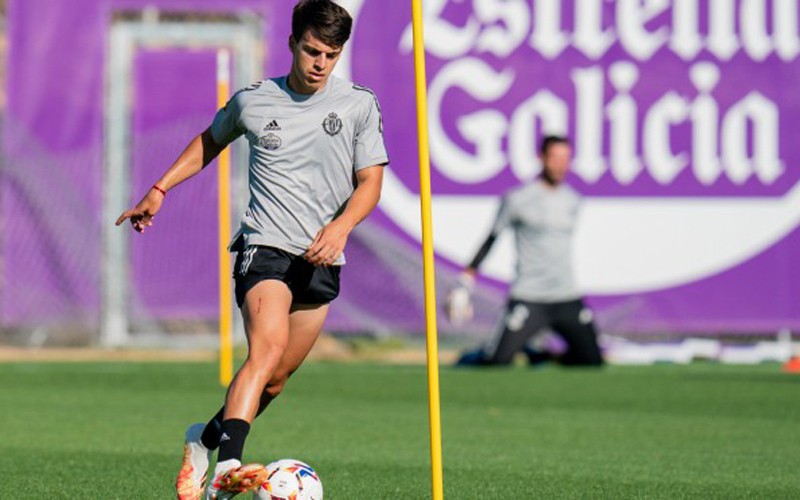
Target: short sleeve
(369, 147)
(225, 127)
(505, 216)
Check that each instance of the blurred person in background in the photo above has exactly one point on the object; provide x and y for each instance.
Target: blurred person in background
(543, 215)
(316, 158)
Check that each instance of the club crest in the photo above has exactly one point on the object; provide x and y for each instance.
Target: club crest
(332, 124)
(270, 142)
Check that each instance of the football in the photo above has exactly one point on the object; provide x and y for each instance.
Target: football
(290, 479)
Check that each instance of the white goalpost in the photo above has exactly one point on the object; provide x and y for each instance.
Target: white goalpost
(242, 37)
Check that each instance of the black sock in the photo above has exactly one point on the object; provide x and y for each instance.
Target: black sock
(231, 443)
(213, 431)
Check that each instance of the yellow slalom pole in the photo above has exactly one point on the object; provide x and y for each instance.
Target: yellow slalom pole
(224, 213)
(427, 252)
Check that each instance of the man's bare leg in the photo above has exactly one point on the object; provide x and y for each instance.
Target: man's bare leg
(266, 321)
(305, 325)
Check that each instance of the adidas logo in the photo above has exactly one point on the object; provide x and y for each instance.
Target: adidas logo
(224, 437)
(273, 125)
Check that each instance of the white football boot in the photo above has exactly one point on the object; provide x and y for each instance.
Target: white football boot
(232, 478)
(194, 470)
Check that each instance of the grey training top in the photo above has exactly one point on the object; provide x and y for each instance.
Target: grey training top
(304, 153)
(543, 218)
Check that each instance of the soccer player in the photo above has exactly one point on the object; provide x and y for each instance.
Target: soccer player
(316, 158)
(542, 215)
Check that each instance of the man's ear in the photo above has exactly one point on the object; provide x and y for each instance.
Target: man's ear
(292, 43)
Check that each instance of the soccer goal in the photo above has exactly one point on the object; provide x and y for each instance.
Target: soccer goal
(159, 66)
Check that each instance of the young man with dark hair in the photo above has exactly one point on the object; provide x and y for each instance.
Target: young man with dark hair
(543, 294)
(313, 137)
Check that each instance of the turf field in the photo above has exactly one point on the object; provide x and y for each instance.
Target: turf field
(103, 430)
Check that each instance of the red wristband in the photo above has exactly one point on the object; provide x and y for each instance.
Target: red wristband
(159, 190)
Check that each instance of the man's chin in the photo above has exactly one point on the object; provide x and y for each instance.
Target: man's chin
(553, 181)
(315, 82)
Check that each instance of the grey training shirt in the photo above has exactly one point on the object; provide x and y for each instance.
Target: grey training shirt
(543, 219)
(304, 153)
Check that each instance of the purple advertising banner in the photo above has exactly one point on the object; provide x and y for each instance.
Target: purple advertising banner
(682, 115)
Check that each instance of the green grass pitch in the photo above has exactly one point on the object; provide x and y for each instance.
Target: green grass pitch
(114, 430)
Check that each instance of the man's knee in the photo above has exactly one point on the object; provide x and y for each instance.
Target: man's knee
(591, 357)
(479, 357)
(264, 358)
(500, 358)
(267, 356)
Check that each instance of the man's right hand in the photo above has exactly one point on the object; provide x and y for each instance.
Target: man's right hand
(141, 216)
(458, 303)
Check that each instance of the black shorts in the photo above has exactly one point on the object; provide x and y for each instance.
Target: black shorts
(570, 319)
(308, 283)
